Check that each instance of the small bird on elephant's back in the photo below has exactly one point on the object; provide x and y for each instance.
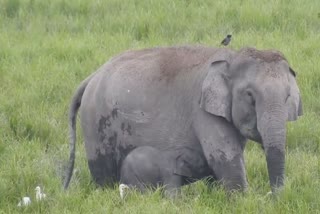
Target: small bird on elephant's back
(226, 40)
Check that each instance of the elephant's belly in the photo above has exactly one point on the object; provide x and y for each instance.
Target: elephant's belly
(139, 129)
(121, 132)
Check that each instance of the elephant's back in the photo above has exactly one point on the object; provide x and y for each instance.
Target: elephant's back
(148, 80)
(160, 64)
(150, 71)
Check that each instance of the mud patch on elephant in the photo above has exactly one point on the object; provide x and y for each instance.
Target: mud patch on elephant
(113, 139)
(126, 129)
(104, 122)
(129, 129)
(122, 127)
(114, 113)
(264, 55)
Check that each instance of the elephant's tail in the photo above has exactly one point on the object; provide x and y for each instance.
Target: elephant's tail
(74, 107)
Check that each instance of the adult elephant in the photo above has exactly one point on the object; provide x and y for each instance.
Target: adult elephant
(210, 100)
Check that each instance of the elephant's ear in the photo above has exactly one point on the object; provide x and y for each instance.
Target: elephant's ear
(190, 163)
(294, 103)
(182, 167)
(215, 94)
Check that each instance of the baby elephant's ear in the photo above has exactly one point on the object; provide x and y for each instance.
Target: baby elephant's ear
(294, 103)
(190, 163)
(215, 94)
(182, 167)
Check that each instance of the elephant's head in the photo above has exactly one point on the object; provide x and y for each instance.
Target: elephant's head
(257, 92)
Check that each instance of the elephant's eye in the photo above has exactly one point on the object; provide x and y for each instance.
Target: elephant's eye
(251, 98)
(287, 98)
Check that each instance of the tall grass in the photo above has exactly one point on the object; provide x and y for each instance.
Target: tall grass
(48, 47)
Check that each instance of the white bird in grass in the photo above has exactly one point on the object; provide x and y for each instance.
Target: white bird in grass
(122, 188)
(24, 202)
(39, 195)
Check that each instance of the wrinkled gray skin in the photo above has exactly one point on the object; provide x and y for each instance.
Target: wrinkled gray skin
(211, 100)
(146, 166)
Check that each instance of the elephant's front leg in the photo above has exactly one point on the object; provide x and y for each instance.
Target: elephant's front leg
(229, 170)
(223, 147)
(172, 186)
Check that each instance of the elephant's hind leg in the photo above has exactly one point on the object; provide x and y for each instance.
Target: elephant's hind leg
(103, 169)
(101, 154)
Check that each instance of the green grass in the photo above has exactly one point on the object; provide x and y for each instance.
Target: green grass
(48, 47)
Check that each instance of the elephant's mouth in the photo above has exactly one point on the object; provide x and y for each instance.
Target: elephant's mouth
(248, 128)
(253, 134)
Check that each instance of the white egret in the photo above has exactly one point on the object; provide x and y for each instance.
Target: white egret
(39, 195)
(122, 188)
(24, 202)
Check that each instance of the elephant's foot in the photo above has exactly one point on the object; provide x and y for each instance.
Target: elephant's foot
(173, 193)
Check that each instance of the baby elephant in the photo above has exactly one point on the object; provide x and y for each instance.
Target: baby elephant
(147, 166)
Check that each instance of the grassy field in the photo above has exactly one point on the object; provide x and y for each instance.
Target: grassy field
(48, 47)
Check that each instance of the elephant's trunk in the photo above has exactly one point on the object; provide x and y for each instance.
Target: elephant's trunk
(272, 128)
